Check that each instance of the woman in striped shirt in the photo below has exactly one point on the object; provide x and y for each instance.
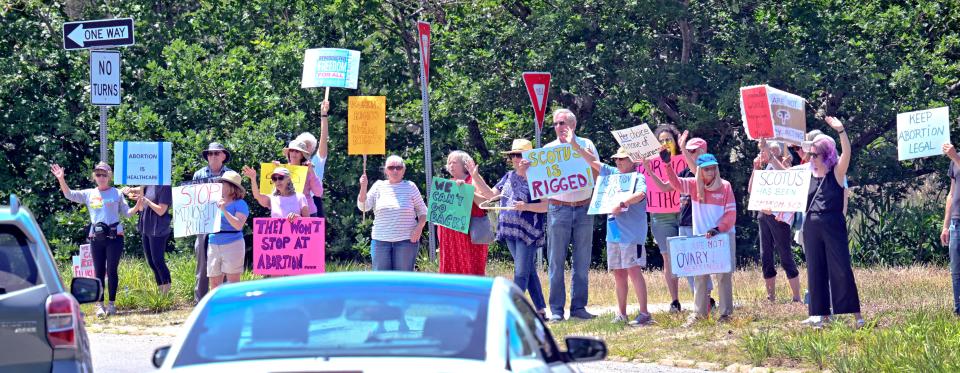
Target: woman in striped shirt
(399, 217)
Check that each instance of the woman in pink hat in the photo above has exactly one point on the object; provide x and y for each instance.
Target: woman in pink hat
(284, 202)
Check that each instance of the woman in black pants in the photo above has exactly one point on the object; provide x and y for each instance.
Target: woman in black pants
(154, 225)
(829, 273)
(106, 205)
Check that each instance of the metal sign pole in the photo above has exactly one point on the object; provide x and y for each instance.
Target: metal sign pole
(540, 265)
(427, 157)
(103, 133)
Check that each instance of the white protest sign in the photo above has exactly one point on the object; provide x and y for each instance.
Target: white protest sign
(556, 170)
(779, 190)
(195, 209)
(104, 77)
(639, 142)
(330, 67)
(698, 255)
(610, 191)
(922, 133)
(141, 163)
(83, 263)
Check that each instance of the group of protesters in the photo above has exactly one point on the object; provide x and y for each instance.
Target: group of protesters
(525, 225)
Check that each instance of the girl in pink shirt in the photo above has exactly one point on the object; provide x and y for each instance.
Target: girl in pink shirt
(284, 202)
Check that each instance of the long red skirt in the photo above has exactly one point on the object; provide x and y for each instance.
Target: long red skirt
(459, 255)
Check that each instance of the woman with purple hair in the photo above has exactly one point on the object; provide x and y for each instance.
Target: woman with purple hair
(829, 273)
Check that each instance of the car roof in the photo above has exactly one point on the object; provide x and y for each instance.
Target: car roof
(373, 280)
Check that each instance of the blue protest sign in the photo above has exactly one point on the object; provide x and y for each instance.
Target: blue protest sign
(141, 163)
(330, 67)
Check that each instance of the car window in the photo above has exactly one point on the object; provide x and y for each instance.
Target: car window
(533, 323)
(343, 321)
(18, 270)
(520, 340)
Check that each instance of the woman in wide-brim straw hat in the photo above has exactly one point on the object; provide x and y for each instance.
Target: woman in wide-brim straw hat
(298, 154)
(226, 249)
(520, 228)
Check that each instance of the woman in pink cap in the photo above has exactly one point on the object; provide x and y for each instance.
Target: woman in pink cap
(284, 202)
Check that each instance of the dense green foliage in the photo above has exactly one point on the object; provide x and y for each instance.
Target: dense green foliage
(230, 70)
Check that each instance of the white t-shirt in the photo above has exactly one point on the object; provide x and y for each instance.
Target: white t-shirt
(582, 194)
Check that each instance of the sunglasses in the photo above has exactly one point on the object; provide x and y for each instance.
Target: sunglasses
(813, 155)
(214, 152)
(277, 178)
(512, 156)
(665, 141)
(100, 175)
(559, 123)
(394, 168)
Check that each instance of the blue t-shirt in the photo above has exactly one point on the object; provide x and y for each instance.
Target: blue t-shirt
(318, 165)
(629, 226)
(227, 233)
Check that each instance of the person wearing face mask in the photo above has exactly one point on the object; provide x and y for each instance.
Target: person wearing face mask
(106, 205)
(714, 212)
(399, 217)
(833, 289)
(458, 254)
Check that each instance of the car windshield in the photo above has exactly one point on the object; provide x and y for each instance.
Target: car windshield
(334, 322)
(17, 268)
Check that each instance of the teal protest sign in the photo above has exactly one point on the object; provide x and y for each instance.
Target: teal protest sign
(330, 67)
(610, 191)
(141, 163)
(450, 204)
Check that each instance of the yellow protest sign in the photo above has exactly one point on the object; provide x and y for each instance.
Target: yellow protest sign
(298, 174)
(366, 125)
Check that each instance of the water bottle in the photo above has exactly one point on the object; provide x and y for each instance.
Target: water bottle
(806, 297)
(613, 231)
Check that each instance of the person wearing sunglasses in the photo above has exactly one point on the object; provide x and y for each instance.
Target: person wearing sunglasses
(106, 205)
(520, 227)
(284, 202)
(399, 217)
(216, 156)
(833, 289)
(298, 154)
(774, 231)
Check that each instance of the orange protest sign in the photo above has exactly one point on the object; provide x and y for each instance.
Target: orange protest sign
(366, 125)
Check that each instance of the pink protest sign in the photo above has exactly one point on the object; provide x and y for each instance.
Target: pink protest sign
(281, 247)
(83, 263)
(659, 201)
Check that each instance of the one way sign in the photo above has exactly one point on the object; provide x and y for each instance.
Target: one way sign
(98, 34)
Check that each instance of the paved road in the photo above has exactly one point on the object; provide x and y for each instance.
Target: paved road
(121, 353)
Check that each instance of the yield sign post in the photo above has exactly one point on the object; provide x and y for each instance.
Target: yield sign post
(423, 40)
(538, 87)
(101, 33)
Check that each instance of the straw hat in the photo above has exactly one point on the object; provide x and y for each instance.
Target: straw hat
(621, 153)
(232, 177)
(519, 146)
(299, 146)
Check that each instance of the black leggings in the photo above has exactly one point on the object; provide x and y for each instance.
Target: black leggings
(775, 238)
(106, 260)
(829, 274)
(153, 250)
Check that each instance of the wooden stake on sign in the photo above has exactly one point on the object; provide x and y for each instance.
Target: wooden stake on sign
(368, 181)
(326, 94)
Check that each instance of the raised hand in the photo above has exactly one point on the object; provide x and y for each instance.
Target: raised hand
(471, 167)
(249, 172)
(324, 108)
(57, 171)
(834, 123)
(949, 150)
(683, 140)
(363, 181)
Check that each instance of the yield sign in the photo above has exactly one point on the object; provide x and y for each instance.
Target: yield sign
(538, 87)
(98, 34)
(423, 39)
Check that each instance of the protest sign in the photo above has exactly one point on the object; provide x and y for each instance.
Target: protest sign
(450, 204)
(659, 201)
(366, 125)
(779, 190)
(556, 170)
(195, 209)
(639, 141)
(282, 247)
(922, 133)
(610, 191)
(769, 113)
(141, 163)
(330, 67)
(298, 175)
(698, 255)
(83, 263)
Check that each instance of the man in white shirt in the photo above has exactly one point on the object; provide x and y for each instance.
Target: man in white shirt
(568, 223)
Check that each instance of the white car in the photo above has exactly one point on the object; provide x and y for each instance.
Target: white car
(370, 322)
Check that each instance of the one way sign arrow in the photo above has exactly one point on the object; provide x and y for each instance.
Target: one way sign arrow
(98, 34)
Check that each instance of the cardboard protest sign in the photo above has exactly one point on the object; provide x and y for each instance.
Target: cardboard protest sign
(610, 191)
(195, 209)
(779, 190)
(698, 255)
(639, 141)
(769, 113)
(659, 201)
(450, 204)
(366, 125)
(330, 67)
(556, 170)
(281, 247)
(141, 163)
(83, 263)
(922, 133)
(298, 175)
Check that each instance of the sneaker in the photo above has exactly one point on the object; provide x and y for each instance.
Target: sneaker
(582, 314)
(100, 311)
(542, 314)
(859, 323)
(813, 321)
(555, 318)
(619, 319)
(111, 309)
(692, 319)
(642, 319)
(675, 306)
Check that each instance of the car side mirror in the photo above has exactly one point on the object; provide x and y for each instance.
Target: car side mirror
(159, 355)
(583, 349)
(86, 290)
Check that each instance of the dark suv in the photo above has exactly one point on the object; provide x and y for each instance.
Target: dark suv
(41, 327)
